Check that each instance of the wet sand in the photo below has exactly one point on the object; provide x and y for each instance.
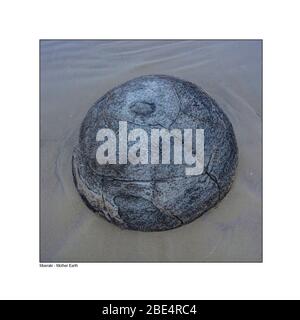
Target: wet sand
(74, 74)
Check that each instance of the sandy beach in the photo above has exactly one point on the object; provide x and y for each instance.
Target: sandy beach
(74, 74)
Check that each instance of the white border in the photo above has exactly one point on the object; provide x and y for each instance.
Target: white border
(23, 23)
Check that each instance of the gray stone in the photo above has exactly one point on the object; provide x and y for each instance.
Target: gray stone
(155, 197)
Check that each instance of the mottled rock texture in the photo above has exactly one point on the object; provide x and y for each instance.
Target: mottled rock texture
(155, 197)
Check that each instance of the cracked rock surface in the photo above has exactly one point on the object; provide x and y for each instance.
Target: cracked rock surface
(155, 197)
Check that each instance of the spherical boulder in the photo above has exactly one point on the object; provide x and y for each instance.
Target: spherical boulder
(158, 196)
